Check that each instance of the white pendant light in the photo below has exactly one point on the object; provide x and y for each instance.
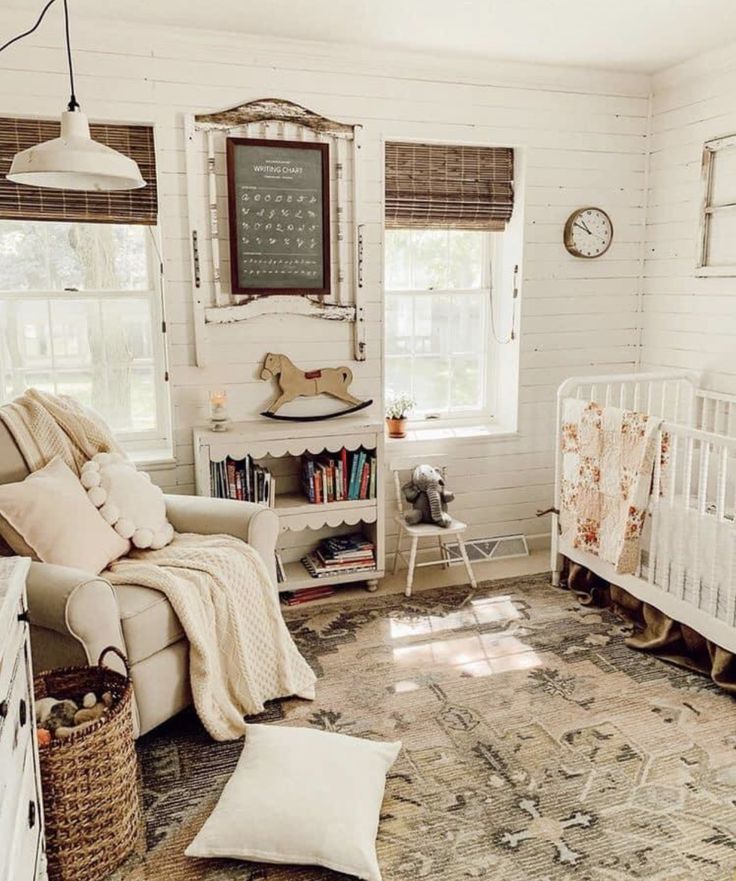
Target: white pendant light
(73, 161)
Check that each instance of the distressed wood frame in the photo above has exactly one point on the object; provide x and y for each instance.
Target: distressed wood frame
(209, 304)
(711, 149)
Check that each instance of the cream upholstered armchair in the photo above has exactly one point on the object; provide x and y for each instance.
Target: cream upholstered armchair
(74, 615)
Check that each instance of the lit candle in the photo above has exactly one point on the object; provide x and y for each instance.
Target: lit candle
(218, 410)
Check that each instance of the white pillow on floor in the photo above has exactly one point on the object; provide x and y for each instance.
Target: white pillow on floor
(303, 797)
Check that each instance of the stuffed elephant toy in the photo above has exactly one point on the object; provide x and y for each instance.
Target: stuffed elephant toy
(428, 496)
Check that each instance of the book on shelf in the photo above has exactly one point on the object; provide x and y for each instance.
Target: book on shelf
(280, 570)
(348, 475)
(341, 555)
(307, 595)
(243, 480)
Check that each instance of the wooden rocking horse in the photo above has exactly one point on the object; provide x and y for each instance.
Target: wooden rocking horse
(295, 383)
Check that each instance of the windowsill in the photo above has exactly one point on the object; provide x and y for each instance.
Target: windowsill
(424, 432)
(156, 459)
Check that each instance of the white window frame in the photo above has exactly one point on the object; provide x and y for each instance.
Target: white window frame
(708, 209)
(484, 413)
(157, 440)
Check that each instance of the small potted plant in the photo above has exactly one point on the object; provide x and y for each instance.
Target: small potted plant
(396, 411)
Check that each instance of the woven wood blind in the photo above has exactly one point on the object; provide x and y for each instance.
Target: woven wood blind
(18, 202)
(448, 187)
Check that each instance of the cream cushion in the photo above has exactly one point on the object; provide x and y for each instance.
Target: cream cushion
(49, 514)
(127, 500)
(303, 797)
(149, 622)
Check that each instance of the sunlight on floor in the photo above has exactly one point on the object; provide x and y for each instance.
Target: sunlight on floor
(473, 654)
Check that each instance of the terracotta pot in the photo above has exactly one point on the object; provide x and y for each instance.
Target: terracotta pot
(396, 427)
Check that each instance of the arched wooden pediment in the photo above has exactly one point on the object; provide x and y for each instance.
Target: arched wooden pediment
(272, 110)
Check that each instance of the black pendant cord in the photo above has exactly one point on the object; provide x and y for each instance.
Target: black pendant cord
(73, 103)
(31, 30)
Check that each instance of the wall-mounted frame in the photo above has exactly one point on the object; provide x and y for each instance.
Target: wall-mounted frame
(279, 216)
(274, 120)
(717, 228)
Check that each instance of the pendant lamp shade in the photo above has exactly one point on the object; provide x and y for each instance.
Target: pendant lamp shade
(73, 161)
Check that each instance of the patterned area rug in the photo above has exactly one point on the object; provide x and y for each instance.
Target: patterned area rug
(537, 746)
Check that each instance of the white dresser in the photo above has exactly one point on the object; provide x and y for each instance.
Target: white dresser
(21, 810)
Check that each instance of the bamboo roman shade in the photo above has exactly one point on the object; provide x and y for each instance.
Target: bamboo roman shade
(18, 202)
(442, 186)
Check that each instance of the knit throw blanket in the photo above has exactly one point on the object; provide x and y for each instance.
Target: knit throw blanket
(240, 651)
(45, 426)
(607, 463)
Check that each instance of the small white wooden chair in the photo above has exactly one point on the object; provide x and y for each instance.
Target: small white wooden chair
(425, 530)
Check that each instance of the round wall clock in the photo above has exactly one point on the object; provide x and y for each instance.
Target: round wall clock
(588, 232)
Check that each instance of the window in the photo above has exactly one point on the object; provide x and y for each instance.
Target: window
(717, 240)
(437, 320)
(450, 245)
(80, 314)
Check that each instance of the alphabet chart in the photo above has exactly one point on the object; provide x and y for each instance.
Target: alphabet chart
(279, 216)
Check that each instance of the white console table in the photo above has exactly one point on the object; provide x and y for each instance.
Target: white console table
(22, 855)
(278, 443)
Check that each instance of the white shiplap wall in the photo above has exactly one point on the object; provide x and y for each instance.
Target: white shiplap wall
(583, 138)
(687, 322)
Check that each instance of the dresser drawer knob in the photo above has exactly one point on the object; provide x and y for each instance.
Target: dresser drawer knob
(31, 814)
(23, 712)
(23, 616)
(3, 709)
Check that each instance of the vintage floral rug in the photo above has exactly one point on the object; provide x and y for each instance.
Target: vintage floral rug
(537, 746)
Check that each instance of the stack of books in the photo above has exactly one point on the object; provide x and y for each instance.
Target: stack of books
(341, 555)
(338, 477)
(242, 479)
(307, 595)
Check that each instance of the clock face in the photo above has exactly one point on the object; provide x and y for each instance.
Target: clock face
(588, 232)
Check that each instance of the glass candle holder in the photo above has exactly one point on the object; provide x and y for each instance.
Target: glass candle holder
(219, 418)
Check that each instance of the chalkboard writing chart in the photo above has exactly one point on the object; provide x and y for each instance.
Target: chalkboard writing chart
(279, 216)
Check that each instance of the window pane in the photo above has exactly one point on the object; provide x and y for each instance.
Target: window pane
(723, 177)
(722, 238)
(398, 259)
(465, 259)
(128, 351)
(432, 383)
(77, 256)
(437, 340)
(99, 351)
(467, 322)
(432, 324)
(398, 377)
(25, 352)
(467, 382)
(399, 323)
(429, 259)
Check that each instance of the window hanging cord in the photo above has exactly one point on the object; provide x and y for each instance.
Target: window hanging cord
(492, 310)
(73, 103)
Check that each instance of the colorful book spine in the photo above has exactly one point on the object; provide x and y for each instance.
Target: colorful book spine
(345, 473)
(364, 481)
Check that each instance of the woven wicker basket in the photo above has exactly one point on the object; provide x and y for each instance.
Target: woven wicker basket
(90, 780)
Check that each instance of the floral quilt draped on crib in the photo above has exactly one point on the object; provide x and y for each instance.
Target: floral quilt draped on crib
(607, 462)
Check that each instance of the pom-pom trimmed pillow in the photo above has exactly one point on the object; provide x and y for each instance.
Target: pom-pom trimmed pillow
(126, 498)
(48, 517)
(303, 797)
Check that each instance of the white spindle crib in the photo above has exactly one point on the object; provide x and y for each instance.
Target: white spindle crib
(688, 561)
